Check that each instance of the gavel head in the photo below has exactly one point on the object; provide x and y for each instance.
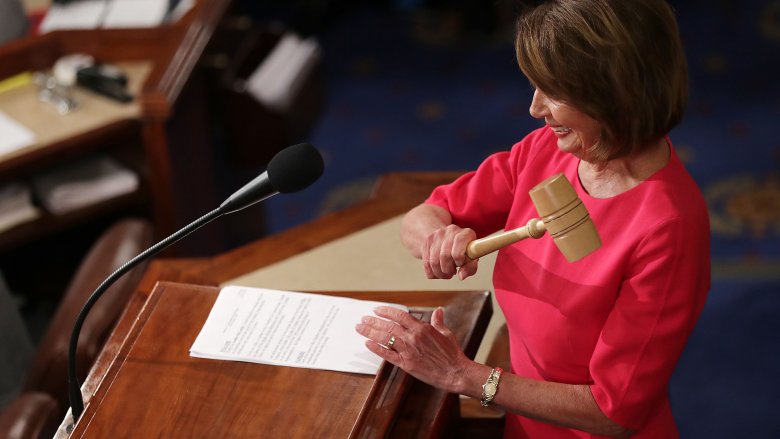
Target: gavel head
(565, 217)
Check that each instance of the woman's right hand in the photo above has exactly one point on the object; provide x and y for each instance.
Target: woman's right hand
(443, 253)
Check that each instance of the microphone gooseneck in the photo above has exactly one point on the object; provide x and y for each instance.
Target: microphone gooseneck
(291, 170)
(74, 387)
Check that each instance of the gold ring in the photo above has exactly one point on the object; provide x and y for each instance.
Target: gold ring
(391, 342)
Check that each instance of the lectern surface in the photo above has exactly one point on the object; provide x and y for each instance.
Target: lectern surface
(155, 389)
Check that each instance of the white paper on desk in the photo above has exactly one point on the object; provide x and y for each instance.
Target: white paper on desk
(83, 183)
(277, 79)
(93, 14)
(135, 13)
(13, 135)
(287, 328)
(79, 14)
(16, 206)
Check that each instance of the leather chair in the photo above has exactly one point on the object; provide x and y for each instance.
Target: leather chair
(31, 415)
(44, 398)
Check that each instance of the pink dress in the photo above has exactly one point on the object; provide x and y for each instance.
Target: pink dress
(616, 320)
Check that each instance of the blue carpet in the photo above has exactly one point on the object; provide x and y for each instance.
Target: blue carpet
(726, 385)
(406, 92)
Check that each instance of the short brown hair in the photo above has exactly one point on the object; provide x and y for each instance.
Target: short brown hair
(621, 62)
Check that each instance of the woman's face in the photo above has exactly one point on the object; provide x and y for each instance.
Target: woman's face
(575, 130)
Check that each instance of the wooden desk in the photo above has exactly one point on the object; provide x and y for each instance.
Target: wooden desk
(171, 52)
(55, 136)
(395, 194)
(155, 389)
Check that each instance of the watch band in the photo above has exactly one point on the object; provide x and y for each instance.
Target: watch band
(490, 387)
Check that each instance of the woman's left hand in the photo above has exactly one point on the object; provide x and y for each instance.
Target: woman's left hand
(427, 351)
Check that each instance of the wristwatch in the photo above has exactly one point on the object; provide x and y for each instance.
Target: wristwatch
(490, 387)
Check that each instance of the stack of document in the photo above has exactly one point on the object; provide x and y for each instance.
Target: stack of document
(84, 183)
(278, 78)
(16, 206)
(287, 328)
(94, 14)
(15, 136)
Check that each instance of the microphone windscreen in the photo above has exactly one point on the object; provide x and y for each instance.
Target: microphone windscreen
(295, 168)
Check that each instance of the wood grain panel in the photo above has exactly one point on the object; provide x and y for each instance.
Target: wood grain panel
(155, 389)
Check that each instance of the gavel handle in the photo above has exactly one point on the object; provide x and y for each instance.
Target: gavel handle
(480, 247)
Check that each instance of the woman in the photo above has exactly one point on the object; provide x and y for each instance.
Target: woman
(593, 343)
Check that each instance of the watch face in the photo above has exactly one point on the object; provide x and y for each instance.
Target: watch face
(490, 388)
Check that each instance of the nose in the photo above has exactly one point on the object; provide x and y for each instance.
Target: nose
(538, 108)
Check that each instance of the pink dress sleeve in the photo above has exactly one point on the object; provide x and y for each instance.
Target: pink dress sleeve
(659, 301)
(482, 199)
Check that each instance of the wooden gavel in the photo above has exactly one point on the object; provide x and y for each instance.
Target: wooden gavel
(562, 215)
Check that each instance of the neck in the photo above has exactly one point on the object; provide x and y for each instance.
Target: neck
(604, 180)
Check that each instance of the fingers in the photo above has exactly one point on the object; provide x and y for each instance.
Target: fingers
(396, 322)
(389, 323)
(429, 352)
(437, 321)
(460, 241)
(447, 265)
(393, 322)
(387, 354)
(395, 315)
(445, 250)
(381, 325)
(380, 331)
(437, 318)
(469, 269)
(436, 262)
(378, 335)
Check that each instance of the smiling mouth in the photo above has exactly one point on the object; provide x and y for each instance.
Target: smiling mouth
(560, 130)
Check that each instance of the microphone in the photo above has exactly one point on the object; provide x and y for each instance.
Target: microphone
(562, 215)
(291, 170)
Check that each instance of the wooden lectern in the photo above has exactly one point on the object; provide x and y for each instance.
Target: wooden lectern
(155, 389)
(144, 384)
